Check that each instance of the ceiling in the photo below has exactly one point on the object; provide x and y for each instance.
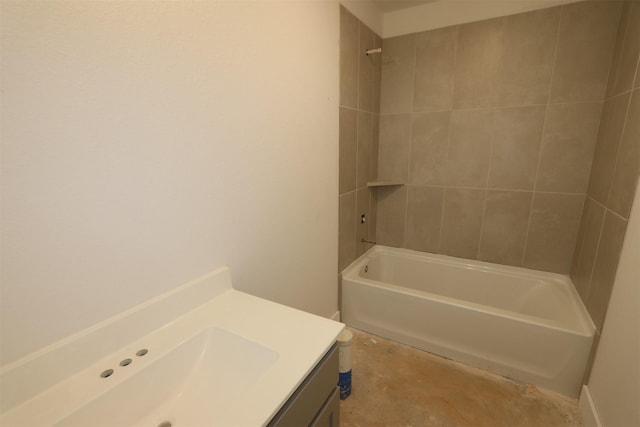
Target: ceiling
(393, 5)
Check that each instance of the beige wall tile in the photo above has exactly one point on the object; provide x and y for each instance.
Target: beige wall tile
(398, 61)
(424, 217)
(612, 120)
(553, 229)
(516, 146)
(364, 148)
(390, 221)
(429, 145)
(627, 167)
(606, 264)
(587, 246)
(461, 222)
(373, 213)
(586, 40)
(567, 147)
(504, 227)
(366, 69)
(375, 137)
(625, 61)
(346, 230)
(617, 52)
(377, 74)
(348, 59)
(393, 149)
(434, 70)
(478, 63)
(363, 203)
(469, 147)
(348, 149)
(527, 58)
(494, 128)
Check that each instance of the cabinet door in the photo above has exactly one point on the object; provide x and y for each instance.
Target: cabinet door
(329, 415)
(302, 408)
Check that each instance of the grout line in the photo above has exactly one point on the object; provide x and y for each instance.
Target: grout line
(623, 45)
(593, 265)
(446, 159)
(352, 191)
(578, 250)
(493, 98)
(346, 107)
(619, 149)
(369, 192)
(408, 174)
(358, 66)
(544, 128)
(484, 210)
(444, 187)
(635, 75)
(486, 187)
(455, 68)
(372, 229)
(497, 107)
(621, 93)
(613, 55)
(355, 208)
(608, 209)
(462, 187)
(597, 202)
(444, 198)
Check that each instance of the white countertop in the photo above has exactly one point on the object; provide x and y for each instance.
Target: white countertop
(300, 340)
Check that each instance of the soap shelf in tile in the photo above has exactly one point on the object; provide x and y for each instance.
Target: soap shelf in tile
(384, 183)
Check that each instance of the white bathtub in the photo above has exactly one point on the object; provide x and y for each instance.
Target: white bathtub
(526, 325)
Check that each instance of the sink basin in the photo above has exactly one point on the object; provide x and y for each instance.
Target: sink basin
(216, 357)
(190, 385)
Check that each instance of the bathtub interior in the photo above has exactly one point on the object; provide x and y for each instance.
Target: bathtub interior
(540, 333)
(548, 297)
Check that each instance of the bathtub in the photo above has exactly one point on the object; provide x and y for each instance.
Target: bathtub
(523, 324)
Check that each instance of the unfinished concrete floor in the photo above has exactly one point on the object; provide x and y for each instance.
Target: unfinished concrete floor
(396, 385)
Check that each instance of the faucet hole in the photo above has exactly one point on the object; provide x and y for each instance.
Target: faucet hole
(142, 352)
(165, 424)
(107, 373)
(125, 362)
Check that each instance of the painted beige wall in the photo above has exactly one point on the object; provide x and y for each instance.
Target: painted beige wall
(144, 144)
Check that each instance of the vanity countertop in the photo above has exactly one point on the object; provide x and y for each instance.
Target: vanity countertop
(267, 350)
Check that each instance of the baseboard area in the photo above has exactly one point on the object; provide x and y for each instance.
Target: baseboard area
(336, 316)
(587, 409)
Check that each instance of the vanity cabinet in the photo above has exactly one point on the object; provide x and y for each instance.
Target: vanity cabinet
(316, 402)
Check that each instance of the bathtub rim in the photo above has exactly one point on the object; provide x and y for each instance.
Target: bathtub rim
(587, 329)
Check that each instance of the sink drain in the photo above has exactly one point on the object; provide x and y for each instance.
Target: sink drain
(165, 424)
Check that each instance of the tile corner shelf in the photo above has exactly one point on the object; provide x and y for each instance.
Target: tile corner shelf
(384, 183)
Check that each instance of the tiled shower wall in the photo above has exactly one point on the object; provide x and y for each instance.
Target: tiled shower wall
(492, 125)
(359, 116)
(614, 174)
